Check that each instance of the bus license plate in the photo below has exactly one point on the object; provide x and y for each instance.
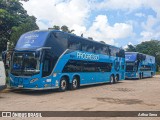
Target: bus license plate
(20, 86)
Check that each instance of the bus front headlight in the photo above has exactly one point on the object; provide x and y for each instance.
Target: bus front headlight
(33, 80)
(54, 74)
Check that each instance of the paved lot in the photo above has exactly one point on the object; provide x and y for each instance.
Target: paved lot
(128, 95)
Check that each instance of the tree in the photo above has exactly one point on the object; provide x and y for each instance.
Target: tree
(12, 16)
(103, 42)
(131, 48)
(151, 48)
(55, 27)
(64, 28)
(17, 31)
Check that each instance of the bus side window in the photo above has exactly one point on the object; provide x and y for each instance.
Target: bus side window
(49, 62)
(97, 50)
(105, 50)
(90, 48)
(74, 44)
(84, 47)
(46, 66)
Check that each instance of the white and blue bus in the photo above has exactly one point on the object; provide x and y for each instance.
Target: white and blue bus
(139, 65)
(55, 59)
(2, 75)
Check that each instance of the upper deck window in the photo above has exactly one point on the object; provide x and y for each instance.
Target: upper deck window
(32, 40)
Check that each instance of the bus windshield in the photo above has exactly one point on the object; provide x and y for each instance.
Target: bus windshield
(32, 40)
(131, 66)
(131, 56)
(25, 64)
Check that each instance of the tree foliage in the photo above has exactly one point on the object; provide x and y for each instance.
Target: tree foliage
(131, 48)
(63, 28)
(13, 18)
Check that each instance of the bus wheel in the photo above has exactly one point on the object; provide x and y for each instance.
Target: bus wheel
(74, 84)
(112, 79)
(151, 74)
(63, 84)
(140, 76)
(116, 78)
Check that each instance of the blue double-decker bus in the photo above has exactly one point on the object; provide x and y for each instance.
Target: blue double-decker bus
(139, 65)
(55, 59)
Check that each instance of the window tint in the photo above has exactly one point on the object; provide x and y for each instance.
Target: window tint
(84, 47)
(89, 67)
(74, 45)
(73, 66)
(49, 62)
(98, 49)
(105, 50)
(86, 66)
(117, 52)
(145, 68)
(90, 48)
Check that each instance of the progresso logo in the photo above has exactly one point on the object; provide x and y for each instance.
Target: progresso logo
(87, 56)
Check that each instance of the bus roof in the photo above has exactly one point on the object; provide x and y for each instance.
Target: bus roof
(27, 39)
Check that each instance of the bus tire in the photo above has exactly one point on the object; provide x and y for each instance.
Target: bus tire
(116, 78)
(151, 74)
(75, 83)
(112, 79)
(63, 84)
(140, 76)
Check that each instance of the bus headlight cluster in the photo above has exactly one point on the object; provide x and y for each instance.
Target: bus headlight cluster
(33, 80)
(55, 74)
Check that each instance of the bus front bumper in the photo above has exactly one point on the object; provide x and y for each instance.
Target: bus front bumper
(131, 75)
(46, 88)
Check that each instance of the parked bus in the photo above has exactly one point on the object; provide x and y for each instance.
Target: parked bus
(2, 75)
(139, 65)
(55, 59)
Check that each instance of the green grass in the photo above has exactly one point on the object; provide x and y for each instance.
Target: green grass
(158, 73)
(7, 80)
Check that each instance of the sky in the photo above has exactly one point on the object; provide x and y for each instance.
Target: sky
(116, 22)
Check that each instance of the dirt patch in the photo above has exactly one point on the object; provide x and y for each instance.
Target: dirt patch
(124, 90)
(123, 101)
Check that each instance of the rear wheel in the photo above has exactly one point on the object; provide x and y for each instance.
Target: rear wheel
(112, 79)
(151, 74)
(140, 76)
(63, 84)
(74, 84)
(116, 78)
